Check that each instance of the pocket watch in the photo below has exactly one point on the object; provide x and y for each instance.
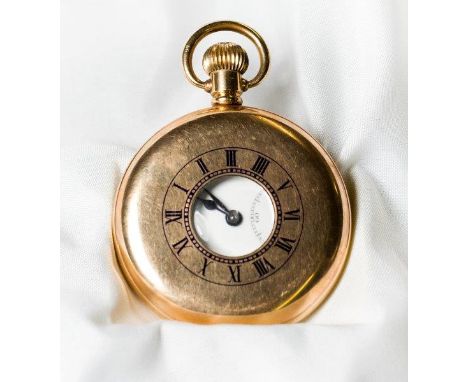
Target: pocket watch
(231, 214)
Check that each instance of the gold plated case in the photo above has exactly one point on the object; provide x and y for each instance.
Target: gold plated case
(157, 251)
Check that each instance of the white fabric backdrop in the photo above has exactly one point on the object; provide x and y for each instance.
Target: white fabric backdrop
(338, 68)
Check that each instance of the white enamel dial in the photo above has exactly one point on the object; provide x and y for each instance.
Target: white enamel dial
(233, 216)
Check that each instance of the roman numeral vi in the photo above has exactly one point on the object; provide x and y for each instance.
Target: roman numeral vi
(235, 273)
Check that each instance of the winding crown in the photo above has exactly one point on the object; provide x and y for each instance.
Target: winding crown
(225, 56)
(225, 63)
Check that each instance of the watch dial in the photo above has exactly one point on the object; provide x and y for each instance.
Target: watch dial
(233, 215)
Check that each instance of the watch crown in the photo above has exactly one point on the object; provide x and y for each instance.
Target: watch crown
(225, 63)
(225, 56)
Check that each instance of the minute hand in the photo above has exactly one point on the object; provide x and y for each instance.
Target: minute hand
(218, 202)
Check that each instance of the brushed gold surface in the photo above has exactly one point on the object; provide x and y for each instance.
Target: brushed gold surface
(169, 283)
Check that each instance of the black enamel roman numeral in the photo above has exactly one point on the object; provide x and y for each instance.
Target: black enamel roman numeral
(235, 274)
(206, 262)
(260, 165)
(263, 266)
(180, 245)
(285, 185)
(172, 216)
(285, 244)
(292, 215)
(231, 158)
(202, 166)
(180, 187)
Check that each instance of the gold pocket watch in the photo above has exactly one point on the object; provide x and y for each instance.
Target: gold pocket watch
(231, 214)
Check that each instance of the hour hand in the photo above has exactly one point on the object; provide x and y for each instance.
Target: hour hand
(233, 217)
(218, 202)
(208, 204)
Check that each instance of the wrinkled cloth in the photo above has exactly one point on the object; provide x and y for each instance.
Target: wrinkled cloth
(338, 69)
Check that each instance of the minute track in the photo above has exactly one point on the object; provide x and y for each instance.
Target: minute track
(251, 274)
